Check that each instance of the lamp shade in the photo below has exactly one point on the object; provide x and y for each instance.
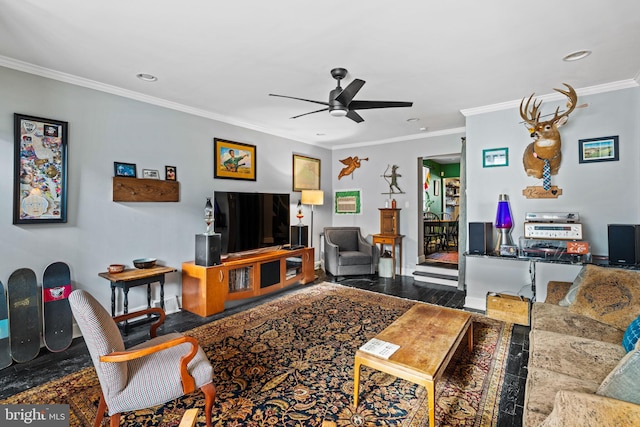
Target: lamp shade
(312, 197)
(503, 215)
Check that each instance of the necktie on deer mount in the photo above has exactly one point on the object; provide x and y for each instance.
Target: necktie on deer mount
(542, 157)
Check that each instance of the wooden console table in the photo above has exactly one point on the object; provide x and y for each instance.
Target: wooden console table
(393, 240)
(136, 277)
(205, 289)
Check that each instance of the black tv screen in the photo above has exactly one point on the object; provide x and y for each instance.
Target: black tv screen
(249, 221)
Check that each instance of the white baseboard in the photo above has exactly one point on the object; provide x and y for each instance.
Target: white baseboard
(476, 303)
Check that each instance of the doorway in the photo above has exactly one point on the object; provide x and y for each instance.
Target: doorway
(440, 210)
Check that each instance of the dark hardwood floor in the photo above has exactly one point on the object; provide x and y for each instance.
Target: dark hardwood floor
(49, 366)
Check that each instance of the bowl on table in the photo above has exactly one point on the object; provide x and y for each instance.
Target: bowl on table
(115, 268)
(144, 262)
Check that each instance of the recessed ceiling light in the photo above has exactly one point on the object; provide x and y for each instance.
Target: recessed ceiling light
(320, 134)
(413, 119)
(147, 77)
(423, 129)
(577, 55)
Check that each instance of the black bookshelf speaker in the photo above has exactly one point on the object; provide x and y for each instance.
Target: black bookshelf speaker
(480, 237)
(208, 249)
(624, 244)
(299, 235)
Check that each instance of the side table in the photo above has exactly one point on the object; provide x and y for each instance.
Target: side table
(393, 240)
(136, 277)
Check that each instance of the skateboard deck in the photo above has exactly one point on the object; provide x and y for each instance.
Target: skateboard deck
(57, 317)
(5, 347)
(24, 315)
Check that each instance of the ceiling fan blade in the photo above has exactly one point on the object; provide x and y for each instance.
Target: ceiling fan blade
(366, 105)
(317, 111)
(349, 92)
(354, 116)
(300, 99)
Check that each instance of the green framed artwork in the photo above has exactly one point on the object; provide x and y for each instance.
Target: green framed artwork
(348, 202)
(495, 157)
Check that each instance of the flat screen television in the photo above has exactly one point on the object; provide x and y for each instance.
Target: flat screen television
(249, 221)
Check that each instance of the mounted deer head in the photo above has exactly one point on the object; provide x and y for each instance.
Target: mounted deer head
(546, 147)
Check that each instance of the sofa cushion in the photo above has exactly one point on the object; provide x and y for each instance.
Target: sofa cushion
(631, 335)
(542, 386)
(354, 258)
(550, 317)
(576, 357)
(556, 291)
(570, 296)
(572, 408)
(609, 295)
(347, 240)
(623, 381)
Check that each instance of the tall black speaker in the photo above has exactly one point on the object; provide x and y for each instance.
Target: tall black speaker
(208, 249)
(299, 235)
(624, 244)
(480, 237)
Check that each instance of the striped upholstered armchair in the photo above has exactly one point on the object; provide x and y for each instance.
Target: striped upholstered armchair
(152, 373)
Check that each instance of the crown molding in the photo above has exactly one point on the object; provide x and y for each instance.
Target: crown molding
(590, 90)
(406, 138)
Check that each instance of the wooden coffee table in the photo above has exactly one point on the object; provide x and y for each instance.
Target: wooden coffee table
(428, 337)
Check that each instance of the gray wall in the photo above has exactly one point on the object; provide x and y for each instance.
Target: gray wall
(105, 128)
(603, 193)
(368, 178)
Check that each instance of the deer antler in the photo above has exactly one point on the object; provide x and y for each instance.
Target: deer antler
(571, 103)
(530, 116)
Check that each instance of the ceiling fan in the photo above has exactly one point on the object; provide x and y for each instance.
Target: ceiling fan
(341, 101)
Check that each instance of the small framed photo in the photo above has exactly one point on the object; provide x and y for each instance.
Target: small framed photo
(603, 149)
(495, 157)
(125, 169)
(170, 173)
(150, 174)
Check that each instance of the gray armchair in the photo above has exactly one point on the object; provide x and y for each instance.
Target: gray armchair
(347, 253)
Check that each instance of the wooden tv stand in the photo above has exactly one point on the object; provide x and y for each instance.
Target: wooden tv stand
(205, 289)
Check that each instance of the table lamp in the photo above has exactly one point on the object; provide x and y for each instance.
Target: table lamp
(313, 198)
(209, 243)
(504, 222)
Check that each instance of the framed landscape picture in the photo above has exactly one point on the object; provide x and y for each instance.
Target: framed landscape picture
(306, 173)
(40, 170)
(234, 160)
(603, 149)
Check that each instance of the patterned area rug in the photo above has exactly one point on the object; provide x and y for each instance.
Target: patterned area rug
(289, 362)
(448, 257)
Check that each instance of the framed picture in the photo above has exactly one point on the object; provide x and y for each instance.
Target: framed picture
(234, 160)
(306, 173)
(150, 174)
(170, 173)
(40, 170)
(125, 169)
(348, 202)
(603, 149)
(495, 157)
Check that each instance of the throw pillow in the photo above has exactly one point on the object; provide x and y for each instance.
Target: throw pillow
(609, 295)
(570, 297)
(622, 382)
(631, 335)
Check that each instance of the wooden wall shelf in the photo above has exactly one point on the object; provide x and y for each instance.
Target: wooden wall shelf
(127, 189)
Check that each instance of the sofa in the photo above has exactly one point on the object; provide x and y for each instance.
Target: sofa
(346, 252)
(580, 372)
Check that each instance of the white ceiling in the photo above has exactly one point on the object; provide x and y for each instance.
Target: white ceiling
(221, 59)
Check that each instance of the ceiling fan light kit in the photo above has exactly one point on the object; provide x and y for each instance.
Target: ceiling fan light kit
(341, 101)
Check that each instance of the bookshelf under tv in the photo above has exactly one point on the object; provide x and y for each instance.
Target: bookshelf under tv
(205, 289)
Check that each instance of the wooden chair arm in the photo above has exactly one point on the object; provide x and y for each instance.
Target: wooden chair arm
(188, 382)
(154, 310)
